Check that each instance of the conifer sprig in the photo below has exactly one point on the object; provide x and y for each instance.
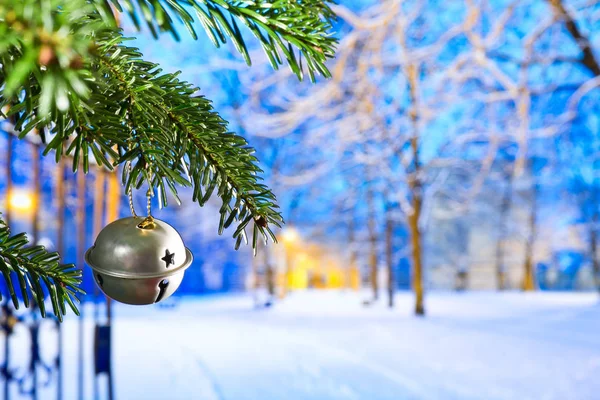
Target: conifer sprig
(33, 269)
(66, 73)
(288, 30)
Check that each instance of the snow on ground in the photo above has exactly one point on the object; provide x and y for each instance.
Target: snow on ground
(327, 345)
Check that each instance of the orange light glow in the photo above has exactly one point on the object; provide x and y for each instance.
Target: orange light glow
(21, 201)
(290, 236)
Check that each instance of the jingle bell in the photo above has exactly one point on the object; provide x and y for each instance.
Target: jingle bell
(138, 260)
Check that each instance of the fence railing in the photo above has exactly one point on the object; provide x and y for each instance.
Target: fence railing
(25, 191)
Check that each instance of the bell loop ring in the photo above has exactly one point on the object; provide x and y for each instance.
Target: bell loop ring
(148, 222)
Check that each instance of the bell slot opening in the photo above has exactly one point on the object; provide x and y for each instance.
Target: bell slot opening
(162, 286)
(99, 279)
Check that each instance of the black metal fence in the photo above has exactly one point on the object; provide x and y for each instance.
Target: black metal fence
(63, 225)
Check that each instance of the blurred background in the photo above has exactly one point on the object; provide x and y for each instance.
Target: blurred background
(440, 194)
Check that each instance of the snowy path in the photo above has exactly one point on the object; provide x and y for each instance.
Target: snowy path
(326, 345)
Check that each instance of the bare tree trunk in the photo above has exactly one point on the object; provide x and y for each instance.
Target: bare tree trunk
(594, 249)
(262, 261)
(528, 270)
(588, 60)
(270, 273)
(112, 213)
(286, 288)
(372, 225)
(353, 252)
(504, 212)
(415, 186)
(9, 182)
(389, 231)
(80, 222)
(593, 231)
(255, 280)
(37, 182)
(461, 237)
(415, 233)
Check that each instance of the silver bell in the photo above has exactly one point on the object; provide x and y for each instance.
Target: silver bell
(138, 260)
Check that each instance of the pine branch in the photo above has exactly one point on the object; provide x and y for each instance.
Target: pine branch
(171, 136)
(177, 139)
(35, 269)
(294, 29)
(66, 73)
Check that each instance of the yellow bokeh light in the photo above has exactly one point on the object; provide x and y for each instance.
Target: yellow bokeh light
(21, 200)
(290, 236)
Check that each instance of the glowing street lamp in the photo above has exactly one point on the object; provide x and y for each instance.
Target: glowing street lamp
(290, 236)
(21, 200)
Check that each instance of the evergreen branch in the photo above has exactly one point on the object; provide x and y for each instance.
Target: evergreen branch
(171, 137)
(281, 26)
(37, 40)
(102, 99)
(37, 269)
(178, 139)
(66, 73)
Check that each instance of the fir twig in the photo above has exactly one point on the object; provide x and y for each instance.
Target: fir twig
(36, 269)
(65, 72)
(294, 29)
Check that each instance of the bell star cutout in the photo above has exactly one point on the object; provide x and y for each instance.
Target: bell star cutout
(168, 258)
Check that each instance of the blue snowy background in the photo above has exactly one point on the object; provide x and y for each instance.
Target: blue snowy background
(503, 100)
